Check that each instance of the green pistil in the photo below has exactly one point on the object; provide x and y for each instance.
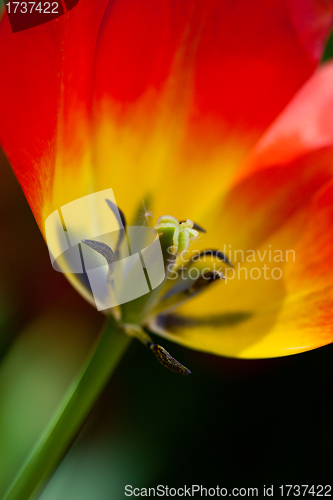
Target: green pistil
(175, 237)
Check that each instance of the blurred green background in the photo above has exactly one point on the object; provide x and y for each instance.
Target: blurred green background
(232, 423)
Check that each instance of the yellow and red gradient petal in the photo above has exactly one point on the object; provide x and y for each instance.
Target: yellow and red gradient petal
(304, 126)
(305, 319)
(278, 216)
(234, 60)
(46, 77)
(284, 311)
(214, 75)
(128, 94)
(290, 163)
(260, 205)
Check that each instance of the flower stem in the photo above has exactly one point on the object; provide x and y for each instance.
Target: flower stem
(71, 413)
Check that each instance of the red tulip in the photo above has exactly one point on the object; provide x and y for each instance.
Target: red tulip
(216, 111)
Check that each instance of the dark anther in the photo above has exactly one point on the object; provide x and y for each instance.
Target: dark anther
(121, 222)
(214, 253)
(205, 280)
(195, 226)
(105, 250)
(118, 213)
(168, 361)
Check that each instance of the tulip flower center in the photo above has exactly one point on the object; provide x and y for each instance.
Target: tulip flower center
(172, 241)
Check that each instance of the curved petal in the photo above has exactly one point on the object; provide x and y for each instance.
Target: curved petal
(287, 312)
(214, 75)
(277, 231)
(47, 76)
(138, 96)
(288, 165)
(149, 90)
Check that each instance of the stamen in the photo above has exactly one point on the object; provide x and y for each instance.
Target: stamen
(104, 250)
(173, 299)
(195, 226)
(162, 354)
(214, 253)
(168, 361)
(119, 214)
(136, 331)
(175, 285)
(205, 280)
(121, 222)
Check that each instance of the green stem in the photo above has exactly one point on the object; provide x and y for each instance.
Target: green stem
(72, 412)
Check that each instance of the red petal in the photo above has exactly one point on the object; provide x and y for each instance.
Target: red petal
(244, 60)
(290, 164)
(45, 70)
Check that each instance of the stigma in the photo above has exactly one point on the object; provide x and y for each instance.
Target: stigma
(179, 235)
